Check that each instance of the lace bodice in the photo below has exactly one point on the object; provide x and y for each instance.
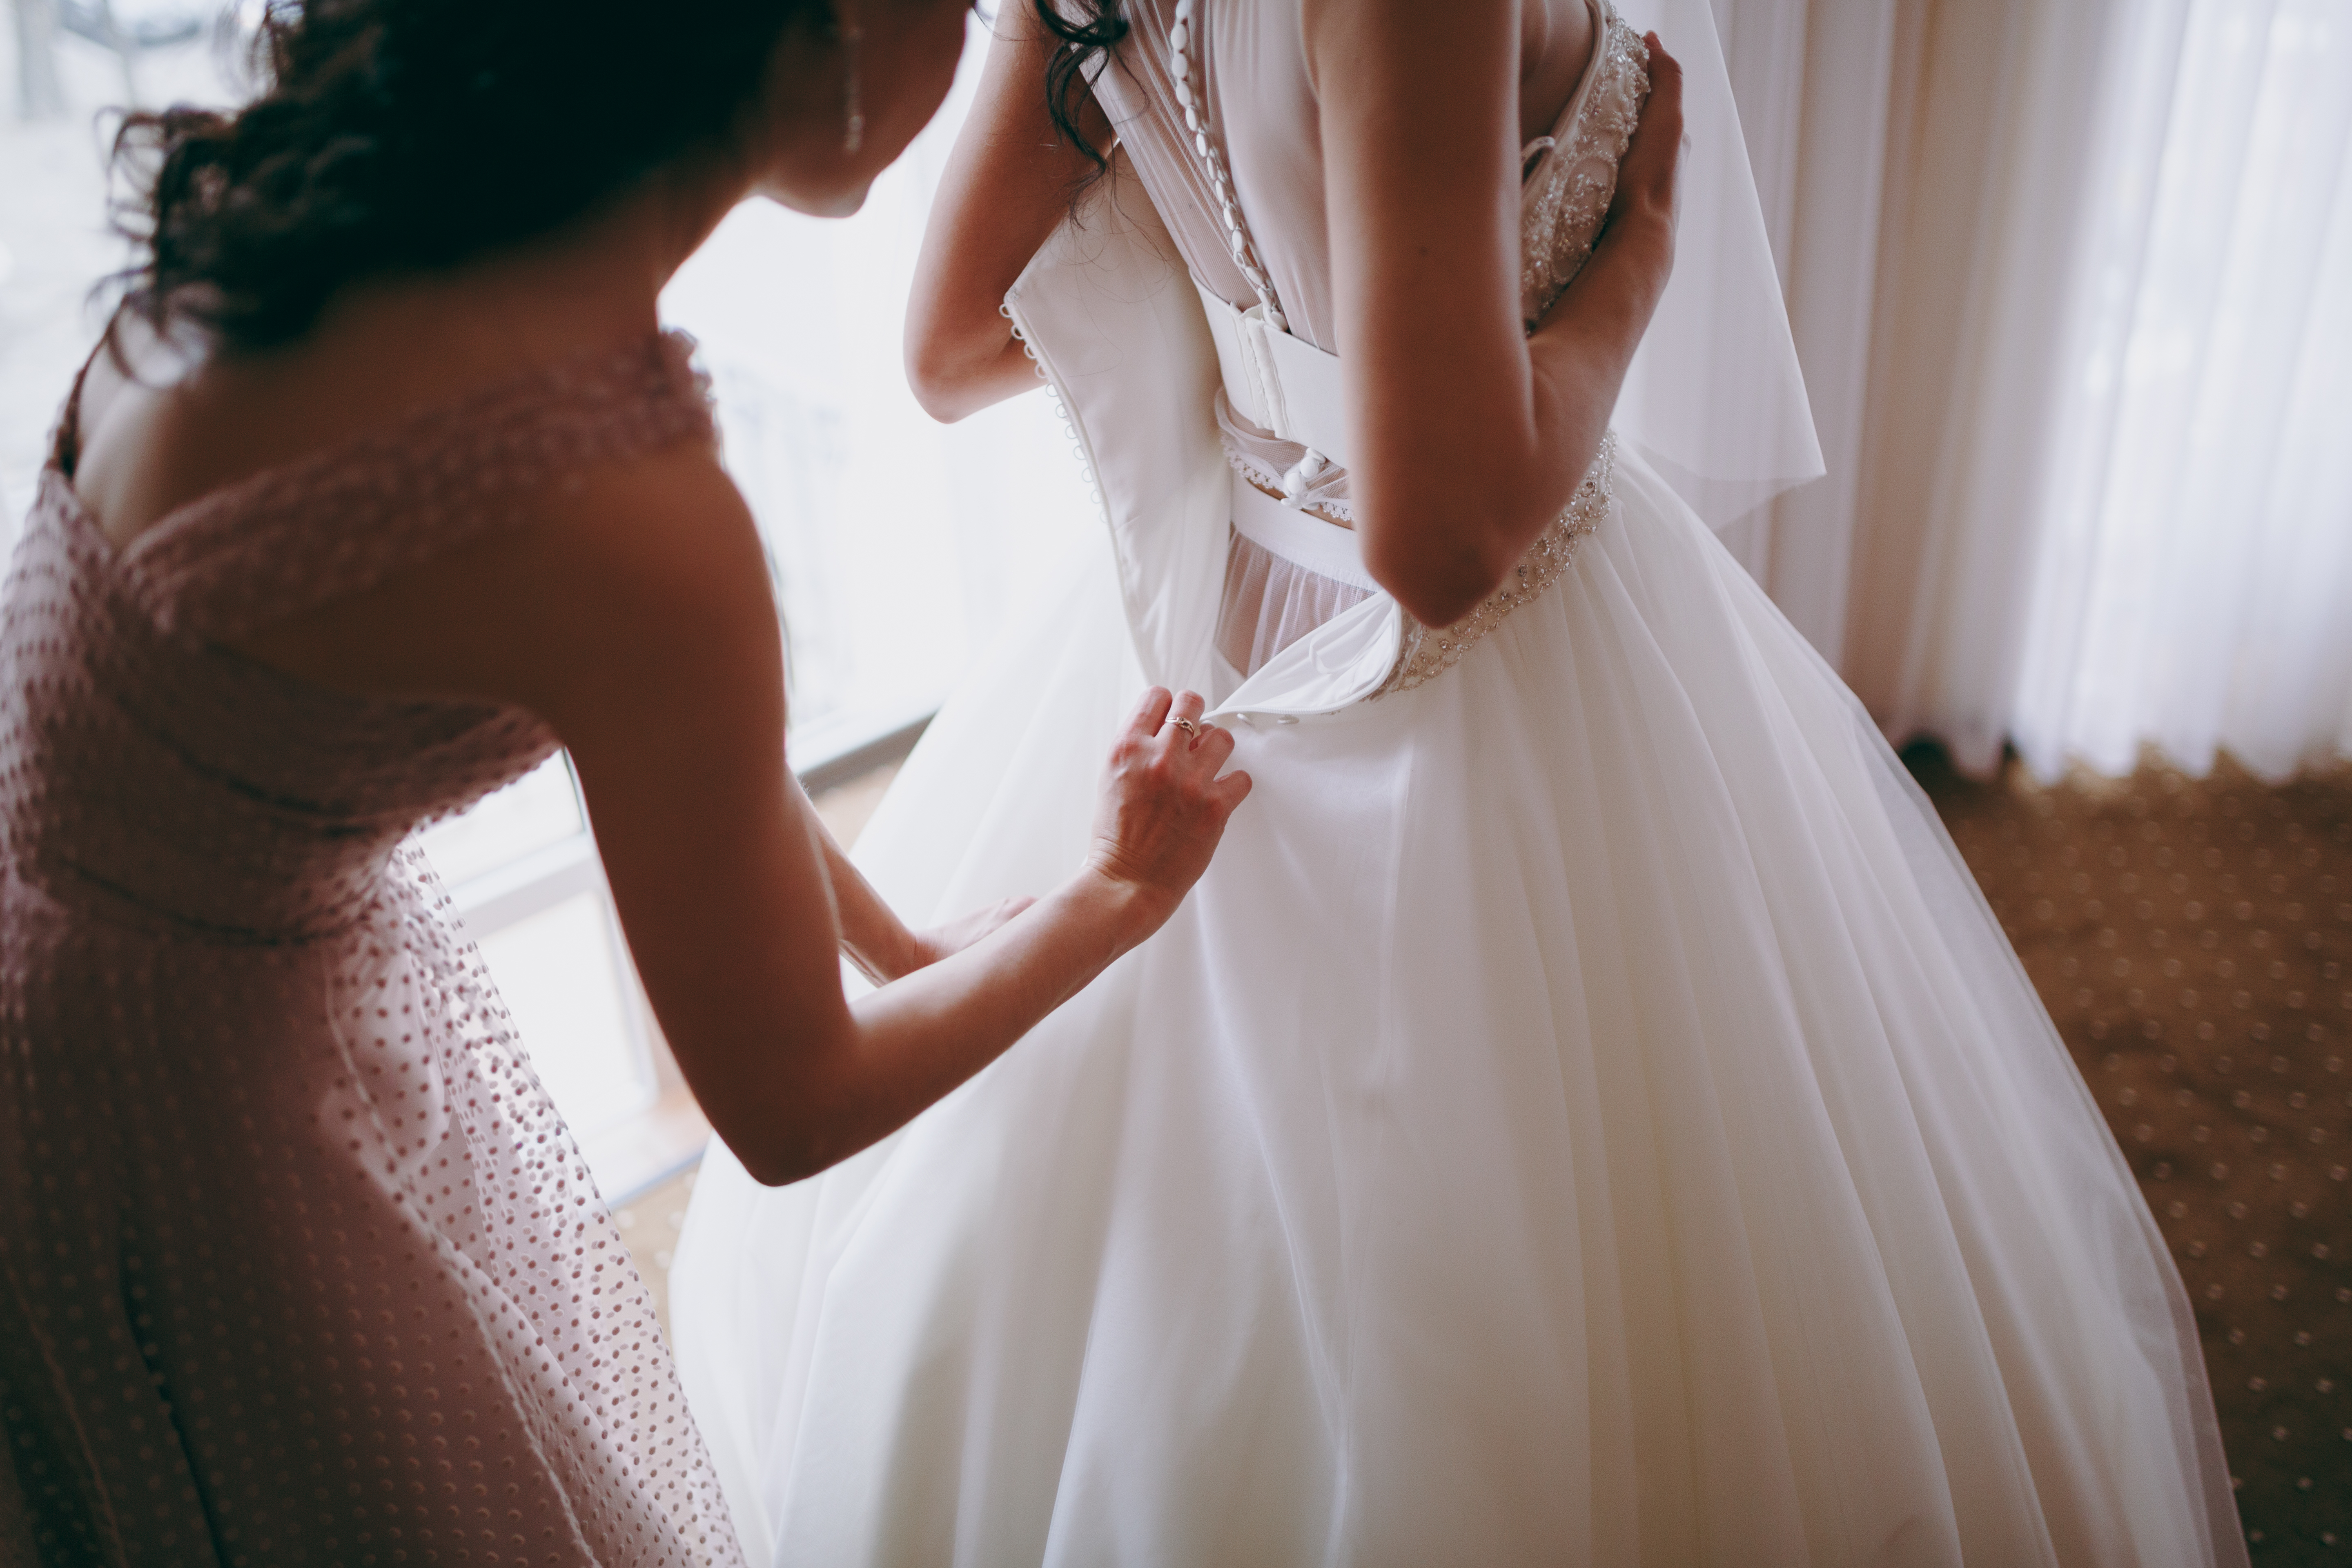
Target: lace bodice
(297, 1261)
(1564, 198)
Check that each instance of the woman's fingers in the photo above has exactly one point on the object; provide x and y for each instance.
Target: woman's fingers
(1185, 709)
(937, 942)
(1163, 808)
(1647, 178)
(1205, 752)
(1665, 72)
(1659, 133)
(1150, 716)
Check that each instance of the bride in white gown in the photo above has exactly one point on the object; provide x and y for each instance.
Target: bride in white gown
(1586, 1115)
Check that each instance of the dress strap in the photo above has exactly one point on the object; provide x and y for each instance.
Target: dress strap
(337, 523)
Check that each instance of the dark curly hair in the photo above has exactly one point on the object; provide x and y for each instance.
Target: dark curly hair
(1089, 34)
(395, 135)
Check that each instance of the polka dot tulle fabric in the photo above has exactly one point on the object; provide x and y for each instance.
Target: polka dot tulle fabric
(300, 1264)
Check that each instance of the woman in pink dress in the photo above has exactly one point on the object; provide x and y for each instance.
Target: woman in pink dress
(386, 484)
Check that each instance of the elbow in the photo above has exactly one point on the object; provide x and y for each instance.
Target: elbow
(1443, 604)
(784, 1133)
(779, 1168)
(777, 1157)
(937, 382)
(1436, 576)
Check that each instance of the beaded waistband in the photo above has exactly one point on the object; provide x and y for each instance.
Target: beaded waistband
(1424, 653)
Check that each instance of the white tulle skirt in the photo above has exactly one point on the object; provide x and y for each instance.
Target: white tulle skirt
(1587, 1114)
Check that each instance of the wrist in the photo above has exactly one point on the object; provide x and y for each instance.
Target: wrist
(887, 955)
(1121, 909)
(1644, 232)
(907, 953)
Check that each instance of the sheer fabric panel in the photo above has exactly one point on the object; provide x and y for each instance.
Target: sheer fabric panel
(1271, 602)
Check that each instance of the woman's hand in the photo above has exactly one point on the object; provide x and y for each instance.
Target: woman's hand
(1163, 807)
(1647, 199)
(930, 945)
(1162, 811)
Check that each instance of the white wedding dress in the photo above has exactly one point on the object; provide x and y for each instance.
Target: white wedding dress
(1586, 1115)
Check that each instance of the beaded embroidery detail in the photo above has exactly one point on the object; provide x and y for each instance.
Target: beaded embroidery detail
(1567, 197)
(1424, 653)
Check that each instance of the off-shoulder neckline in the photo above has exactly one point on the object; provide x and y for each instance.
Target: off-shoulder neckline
(381, 441)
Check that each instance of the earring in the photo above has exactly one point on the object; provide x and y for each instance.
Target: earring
(853, 135)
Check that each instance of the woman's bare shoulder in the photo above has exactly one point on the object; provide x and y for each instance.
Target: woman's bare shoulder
(1547, 42)
(164, 417)
(642, 563)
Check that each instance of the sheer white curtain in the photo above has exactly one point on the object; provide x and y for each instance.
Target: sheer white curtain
(1999, 126)
(1912, 156)
(2193, 585)
(2070, 285)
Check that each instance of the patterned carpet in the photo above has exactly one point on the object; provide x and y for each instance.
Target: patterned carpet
(2192, 938)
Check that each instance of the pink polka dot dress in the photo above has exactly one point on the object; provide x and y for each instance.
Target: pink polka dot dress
(297, 1263)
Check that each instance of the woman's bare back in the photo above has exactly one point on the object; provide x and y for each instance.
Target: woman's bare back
(160, 422)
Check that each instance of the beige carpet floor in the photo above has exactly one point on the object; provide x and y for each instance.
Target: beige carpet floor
(2193, 939)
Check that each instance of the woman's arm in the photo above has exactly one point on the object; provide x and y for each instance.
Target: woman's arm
(1469, 436)
(1008, 183)
(872, 935)
(635, 615)
(719, 875)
